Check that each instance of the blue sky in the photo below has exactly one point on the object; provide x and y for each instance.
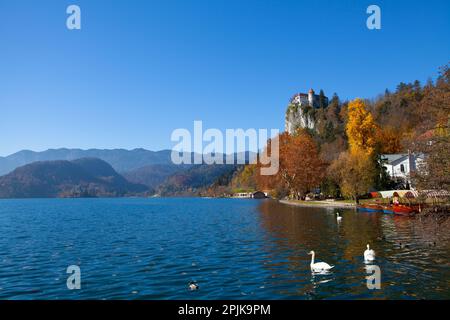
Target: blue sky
(137, 70)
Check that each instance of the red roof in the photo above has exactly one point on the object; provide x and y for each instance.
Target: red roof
(426, 136)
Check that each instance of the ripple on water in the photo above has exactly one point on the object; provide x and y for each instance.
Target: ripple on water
(234, 249)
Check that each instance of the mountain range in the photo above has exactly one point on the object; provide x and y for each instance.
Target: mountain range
(97, 172)
(86, 177)
(120, 159)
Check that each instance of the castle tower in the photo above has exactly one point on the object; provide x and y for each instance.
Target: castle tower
(311, 97)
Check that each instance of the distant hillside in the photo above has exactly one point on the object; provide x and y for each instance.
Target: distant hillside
(194, 179)
(120, 159)
(155, 170)
(168, 177)
(87, 177)
(155, 174)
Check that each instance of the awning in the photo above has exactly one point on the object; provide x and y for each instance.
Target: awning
(414, 194)
(401, 193)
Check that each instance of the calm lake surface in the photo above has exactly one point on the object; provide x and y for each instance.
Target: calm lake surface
(233, 249)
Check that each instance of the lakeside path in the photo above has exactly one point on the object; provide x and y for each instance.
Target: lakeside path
(324, 204)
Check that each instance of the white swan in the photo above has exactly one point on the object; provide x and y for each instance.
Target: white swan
(369, 254)
(319, 266)
(339, 218)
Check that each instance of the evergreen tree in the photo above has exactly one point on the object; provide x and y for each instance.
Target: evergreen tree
(322, 100)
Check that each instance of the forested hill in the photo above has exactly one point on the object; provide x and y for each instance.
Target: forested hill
(87, 177)
(120, 159)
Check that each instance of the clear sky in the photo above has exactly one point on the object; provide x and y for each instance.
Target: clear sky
(137, 70)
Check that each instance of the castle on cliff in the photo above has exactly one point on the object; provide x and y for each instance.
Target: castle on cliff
(299, 115)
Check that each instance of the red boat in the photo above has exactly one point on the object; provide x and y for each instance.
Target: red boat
(404, 210)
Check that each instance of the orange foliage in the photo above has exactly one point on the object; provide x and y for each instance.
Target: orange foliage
(390, 140)
(300, 167)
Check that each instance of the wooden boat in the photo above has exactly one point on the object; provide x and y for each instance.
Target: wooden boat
(388, 209)
(403, 210)
(370, 208)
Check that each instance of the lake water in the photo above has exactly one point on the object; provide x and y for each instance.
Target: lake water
(233, 249)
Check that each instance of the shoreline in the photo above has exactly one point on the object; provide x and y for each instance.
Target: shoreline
(317, 204)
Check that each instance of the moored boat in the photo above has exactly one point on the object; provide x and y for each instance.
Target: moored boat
(370, 208)
(404, 210)
(388, 209)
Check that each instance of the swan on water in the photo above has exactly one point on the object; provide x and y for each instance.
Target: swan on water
(319, 266)
(369, 254)
(339, 218)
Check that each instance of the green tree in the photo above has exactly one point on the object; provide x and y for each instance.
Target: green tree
(322, 100)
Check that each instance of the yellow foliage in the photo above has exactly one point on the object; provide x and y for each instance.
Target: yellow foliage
(361, 128)
(245, 179)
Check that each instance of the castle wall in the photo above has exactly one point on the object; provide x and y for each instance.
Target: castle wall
(296, 117)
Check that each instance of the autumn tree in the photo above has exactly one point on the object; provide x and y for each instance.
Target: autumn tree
(300, 167)
(434, 171)
(269, 182)
(361, 128)
(401, 109)
(433, 136)
(245, 178)
(354, 172)
(389, 140)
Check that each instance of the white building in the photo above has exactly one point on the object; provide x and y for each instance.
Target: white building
(400, 166)
(311, 99)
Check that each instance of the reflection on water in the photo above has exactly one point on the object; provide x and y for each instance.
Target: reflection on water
(412, 254)
(233, 249)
